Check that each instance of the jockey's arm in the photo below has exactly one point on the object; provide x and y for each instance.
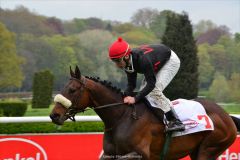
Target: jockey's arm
(149, 78)
(132, 80)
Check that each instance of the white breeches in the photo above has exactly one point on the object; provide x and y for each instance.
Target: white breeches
(163, 78)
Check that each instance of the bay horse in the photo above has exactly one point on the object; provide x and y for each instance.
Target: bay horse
(134, 132)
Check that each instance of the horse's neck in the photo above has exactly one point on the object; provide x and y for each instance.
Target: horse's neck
(102, 96)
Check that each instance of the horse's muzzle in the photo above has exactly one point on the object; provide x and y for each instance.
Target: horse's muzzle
(56, 118)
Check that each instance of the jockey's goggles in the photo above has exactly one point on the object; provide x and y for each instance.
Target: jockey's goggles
(117, 60)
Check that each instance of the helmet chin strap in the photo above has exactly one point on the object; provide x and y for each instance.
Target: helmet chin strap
(126, 61)
(129, 65)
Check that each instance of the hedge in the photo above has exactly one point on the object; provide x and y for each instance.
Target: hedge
(12, 109)
(42, 89)
(14, 128)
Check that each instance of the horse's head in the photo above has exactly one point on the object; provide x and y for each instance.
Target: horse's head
(74, 98)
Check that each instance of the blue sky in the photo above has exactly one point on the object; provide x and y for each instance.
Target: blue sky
(221, 12)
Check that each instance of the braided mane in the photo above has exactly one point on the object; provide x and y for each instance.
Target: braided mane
(106, 84)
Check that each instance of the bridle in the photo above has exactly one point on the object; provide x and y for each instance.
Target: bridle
(73, 110)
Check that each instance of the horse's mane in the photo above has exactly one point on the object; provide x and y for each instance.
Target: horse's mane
(106, 84)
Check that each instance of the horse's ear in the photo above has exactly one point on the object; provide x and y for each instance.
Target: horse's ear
(71, 72)
(77, 73)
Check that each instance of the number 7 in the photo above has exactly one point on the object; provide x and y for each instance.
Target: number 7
(208, 125)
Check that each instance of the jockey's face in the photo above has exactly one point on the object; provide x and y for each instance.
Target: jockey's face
(120, 62)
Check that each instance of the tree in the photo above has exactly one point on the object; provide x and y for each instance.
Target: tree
(179, 37)
(55, 53)
(122, 28)
(10, 63)
(203, 26)
(74, 26)
(140, 36)
(143, 17)
(237, 37)
(219, 90)
(94, 23)
(212, 36)
(219, 58)
(95, 45)
(62, 55)
(206, 69)
(55, 24)
(158, 23)
(21, 20)
(234, 86)
(232, 54)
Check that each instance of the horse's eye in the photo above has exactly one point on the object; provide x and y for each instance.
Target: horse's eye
(71, 90)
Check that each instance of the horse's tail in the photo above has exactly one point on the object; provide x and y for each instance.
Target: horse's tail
(237, 122)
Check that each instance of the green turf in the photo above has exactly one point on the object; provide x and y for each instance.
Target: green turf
(231, 108)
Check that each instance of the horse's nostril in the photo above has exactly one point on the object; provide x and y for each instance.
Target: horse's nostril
(54, 116)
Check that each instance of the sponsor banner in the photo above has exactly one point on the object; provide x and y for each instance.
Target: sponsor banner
(69, 147)
(51, 147)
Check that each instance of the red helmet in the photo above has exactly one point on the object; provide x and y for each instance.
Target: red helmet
(119, 49)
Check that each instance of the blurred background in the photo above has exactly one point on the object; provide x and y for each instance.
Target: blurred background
(39, 40)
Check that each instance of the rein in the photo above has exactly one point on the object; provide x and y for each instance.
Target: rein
(109, 105)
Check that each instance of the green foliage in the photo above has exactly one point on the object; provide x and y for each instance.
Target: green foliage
(203, 26)
(13, 109)
(139, 36)
(219, 89)
(237, 37)
(158, 23)
(21, 20)
(218, 57)
(234, 85)
(42, 89)
(77, 25)
(14, 128)
(224, 57)
(50, 43)
(231, 57)
(63, 55)
(56, 53)
(179, 37)
(94, 23)
(10, 71)
(95, 44)
(206, 69)
(122, 28)
(74, 26)
(143, 17)
(1, 112)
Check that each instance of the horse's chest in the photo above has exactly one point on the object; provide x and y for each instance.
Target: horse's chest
(118, 143)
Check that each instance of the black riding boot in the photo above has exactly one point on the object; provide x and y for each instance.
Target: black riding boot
(174, 123)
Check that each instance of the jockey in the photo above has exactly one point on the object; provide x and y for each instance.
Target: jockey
(159, 64)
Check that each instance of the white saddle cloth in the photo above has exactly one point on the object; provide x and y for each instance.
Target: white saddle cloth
(193, 115)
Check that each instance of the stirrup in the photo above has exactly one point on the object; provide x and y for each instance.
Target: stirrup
(175, 126)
